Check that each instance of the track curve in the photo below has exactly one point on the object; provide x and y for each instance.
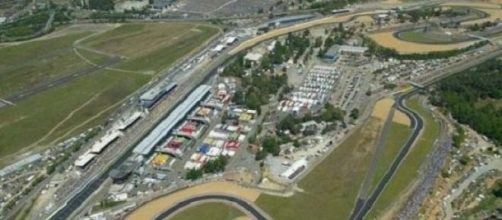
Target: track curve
(364, 205)
(251, 209)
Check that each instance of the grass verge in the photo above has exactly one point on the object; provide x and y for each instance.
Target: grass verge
(212, 210)
(54, 112)
(71, 108)
(398, 134)
(331, 188)
(27, 64)
(408, 170)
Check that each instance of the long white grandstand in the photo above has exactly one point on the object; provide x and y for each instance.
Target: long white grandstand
(146, 145)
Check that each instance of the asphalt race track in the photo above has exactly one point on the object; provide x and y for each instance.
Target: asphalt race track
(236, 201)
(363, 206)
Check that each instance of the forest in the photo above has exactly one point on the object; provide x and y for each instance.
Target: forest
(474, 97)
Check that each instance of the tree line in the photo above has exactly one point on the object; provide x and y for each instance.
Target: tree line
(474, 97)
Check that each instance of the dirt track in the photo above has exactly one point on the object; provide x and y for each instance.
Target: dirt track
(154, 207)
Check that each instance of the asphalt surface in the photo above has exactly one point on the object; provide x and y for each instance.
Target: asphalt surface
(363, 205)
(236, 201)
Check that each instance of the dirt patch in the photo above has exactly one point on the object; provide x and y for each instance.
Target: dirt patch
(382, 108)
(154, 207)
(243, 218)
(401, 118)
(364, 19)
(387, 39)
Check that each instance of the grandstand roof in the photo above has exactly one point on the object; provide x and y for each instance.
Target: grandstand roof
(84, 159)
(104, 141)
(152, 93)
(125, 123)
(163, 128)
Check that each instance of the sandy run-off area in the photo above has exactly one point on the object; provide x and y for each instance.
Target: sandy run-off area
(382, 109)
(387, 39)
(153, 208)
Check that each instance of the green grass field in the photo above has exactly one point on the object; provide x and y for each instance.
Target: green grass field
(408, 170)
(27, 64)
(397, 136)
(421, 37)
(35, 117)
(66, 110)
(217, 211)
(331, 188)
(150, 47)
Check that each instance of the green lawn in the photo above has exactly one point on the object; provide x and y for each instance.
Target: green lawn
(80, 104)
(421, 37)
(397, 136)
(216, 211)
(164, 56)
(33, 118)
(331, 189)
(152, 47)
(408, 170)
(29, 63)
(93, 57)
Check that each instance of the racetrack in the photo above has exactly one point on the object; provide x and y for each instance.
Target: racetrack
(364, 205)
(251, 209)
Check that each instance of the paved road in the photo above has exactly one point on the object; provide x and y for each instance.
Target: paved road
(251, 209)
(492, 165)
(364, 205)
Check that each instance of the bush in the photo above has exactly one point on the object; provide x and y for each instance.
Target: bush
(194, 174)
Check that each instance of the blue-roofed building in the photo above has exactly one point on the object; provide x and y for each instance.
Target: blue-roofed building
(331, 55)
(204, 148)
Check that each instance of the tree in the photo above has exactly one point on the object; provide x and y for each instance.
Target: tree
(270, 145)
(389, 86)
(104, 5)
(289, 123)
(215, 166)
(193, 174)
(331, 114)
(296, 144)
(354, 114)
(464, 160)
(497, 191)
(260, 155)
